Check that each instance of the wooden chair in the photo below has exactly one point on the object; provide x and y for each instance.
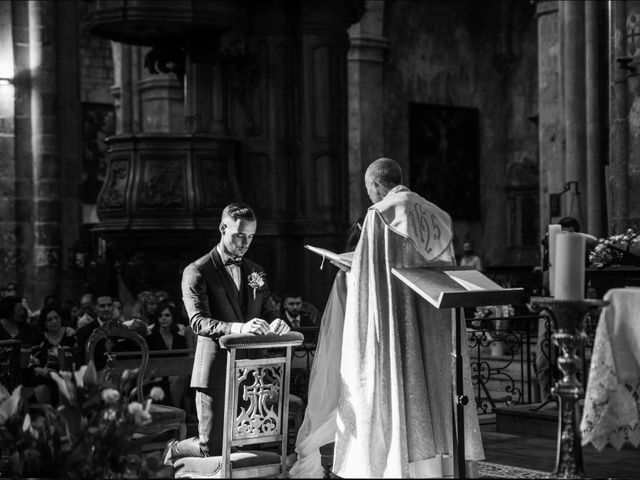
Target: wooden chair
(256, 406)
(163, 418)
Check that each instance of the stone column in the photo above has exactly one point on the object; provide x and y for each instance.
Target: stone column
(366, 98)
(633, 115)
(161, 99)
(573, 70)
(70, 142)
(619, 133)
(593, 116)
(8, 184)
(550, 108)
(44, 145)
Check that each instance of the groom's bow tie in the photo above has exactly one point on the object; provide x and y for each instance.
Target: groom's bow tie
(233, 261)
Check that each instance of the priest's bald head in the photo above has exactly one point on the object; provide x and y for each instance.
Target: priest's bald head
(381, 176)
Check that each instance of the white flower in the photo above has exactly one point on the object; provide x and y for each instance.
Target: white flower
(65, 385)
(110, 396)
(86, 375)
(256, 281)
(9, 404)
(140, 415)
(156, 394)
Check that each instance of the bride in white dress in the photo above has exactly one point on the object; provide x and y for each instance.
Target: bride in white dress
(319, 425)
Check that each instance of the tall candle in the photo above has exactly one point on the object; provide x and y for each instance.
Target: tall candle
(554, 229)
(569, 259)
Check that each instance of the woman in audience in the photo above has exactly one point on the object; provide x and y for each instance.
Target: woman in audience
(118, 310)
(72, 314)
(58, 345)
(166, 336)
(145, 310)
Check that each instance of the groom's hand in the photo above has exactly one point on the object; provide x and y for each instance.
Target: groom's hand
(257, 326)
(279, 327)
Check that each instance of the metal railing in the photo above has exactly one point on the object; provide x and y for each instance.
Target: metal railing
(512, 360)
(502, 359)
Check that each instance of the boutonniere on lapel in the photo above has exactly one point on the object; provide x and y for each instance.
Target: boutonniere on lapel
(256, 281)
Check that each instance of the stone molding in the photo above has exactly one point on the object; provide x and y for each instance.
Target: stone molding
(366, 48)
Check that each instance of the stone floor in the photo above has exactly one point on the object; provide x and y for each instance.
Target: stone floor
(539, 453)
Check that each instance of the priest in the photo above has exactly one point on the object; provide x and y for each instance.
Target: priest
(395, 407)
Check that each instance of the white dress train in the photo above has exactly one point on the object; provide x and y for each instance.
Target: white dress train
(319, 424)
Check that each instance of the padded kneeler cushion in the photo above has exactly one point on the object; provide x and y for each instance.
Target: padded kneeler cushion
(249, 340)
(210, 467)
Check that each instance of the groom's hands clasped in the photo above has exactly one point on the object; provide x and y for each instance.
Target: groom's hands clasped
(258, 326)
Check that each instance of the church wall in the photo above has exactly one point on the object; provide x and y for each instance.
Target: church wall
(459, 54)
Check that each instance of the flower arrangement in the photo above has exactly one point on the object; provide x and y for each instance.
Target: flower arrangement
(621, 249)
(89, 435)
(256, 280)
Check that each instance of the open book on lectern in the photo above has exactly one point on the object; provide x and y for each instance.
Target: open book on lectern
(342, 258)
(451, 287)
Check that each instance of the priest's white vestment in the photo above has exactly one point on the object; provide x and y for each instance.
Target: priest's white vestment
(395, 404)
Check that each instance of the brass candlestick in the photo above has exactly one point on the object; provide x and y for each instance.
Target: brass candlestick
(568, 333)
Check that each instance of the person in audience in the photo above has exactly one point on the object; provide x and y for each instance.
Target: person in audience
(294, 313)
(72, 314)
(215, 291)
(277, 301)
(118, 310)
(145, 310)
(104, 311)
(13, 322)
(57, 348)
(167, 337)
(470, 259)
(88, 309)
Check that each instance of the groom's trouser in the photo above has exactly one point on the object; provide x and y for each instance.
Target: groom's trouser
(210, 411)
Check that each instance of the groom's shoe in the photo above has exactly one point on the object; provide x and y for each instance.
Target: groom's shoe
(168, 453)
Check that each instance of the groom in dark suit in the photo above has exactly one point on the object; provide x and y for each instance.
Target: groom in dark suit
(223, 293)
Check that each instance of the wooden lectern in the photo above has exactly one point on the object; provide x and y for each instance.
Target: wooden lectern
(457, 288)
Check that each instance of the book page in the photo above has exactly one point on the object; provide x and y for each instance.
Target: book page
(473, 280)
(342, 258)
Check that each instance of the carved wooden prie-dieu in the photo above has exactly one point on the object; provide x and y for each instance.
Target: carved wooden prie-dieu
(261, 394)
(265, 122)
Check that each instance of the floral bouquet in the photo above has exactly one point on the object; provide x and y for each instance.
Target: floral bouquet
(621, 249)
(89, 435)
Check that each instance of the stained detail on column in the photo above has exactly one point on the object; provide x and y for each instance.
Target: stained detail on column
(113, 194)
(163, 183)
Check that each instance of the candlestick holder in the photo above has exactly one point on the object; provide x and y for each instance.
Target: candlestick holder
(568, 334)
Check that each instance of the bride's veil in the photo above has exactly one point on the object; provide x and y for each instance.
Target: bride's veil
(319, 426)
